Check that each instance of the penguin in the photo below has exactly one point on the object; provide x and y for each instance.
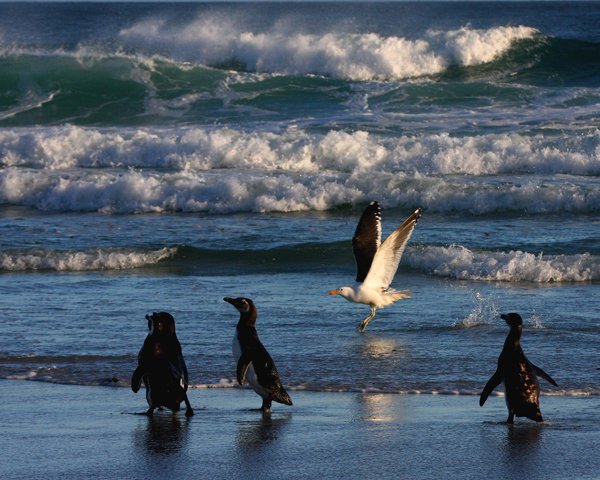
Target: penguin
(521, 386)
(254, 363)
(161, 366)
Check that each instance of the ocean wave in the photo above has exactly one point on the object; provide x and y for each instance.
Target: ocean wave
(455, 262)
(354, 56)
(461, 263)
(154, 43)
(100, 259)
(133, 191)
(191, 149)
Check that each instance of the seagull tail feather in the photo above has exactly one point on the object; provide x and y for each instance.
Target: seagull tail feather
(393, 295)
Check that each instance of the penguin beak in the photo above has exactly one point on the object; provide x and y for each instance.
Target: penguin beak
(241, 304)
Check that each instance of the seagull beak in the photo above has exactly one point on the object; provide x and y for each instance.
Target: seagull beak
(334, 292)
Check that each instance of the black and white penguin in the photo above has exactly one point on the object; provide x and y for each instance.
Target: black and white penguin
(161, 366)
(521, 386)
(254, 363)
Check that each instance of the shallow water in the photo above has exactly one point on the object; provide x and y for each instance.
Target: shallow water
(323, 435)
(162, 157)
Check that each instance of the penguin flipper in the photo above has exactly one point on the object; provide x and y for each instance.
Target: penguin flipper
(492, 383)
(242, 367)
(183, 369)
(543, 374)
(136, 379)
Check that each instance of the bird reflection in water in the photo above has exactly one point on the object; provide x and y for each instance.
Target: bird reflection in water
(520, 457)
(263, 430)
(375, 347)
(524, 438)
(165, 433)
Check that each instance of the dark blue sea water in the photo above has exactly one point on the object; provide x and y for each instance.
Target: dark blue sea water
(163, 156)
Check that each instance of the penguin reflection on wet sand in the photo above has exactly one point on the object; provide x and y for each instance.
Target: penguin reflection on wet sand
(253, 361)
(161, 366)
(522, 389)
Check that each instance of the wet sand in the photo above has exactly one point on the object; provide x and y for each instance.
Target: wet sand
(74, 432)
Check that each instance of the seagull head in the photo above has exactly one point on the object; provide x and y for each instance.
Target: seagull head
(345, 292)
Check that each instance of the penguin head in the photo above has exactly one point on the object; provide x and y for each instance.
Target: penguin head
(246, 308)
(513, 319)
(161, 323)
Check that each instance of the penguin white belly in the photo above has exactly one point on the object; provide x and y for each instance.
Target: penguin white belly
(250, 373)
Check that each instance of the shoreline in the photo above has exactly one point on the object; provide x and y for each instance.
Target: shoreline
(67, 431)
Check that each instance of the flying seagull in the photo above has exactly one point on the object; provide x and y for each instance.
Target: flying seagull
(376, 262)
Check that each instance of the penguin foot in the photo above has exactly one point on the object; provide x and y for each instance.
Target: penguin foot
(266, 406)
(189, 412)
(149, 412)
(511, 418)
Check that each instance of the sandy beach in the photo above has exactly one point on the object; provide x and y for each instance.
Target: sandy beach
(60, 431)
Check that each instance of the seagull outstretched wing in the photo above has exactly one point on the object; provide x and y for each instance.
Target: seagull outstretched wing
(367, 239)
(388, 255)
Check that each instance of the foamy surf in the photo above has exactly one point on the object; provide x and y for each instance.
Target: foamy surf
(98, 259)
(133, 191)
(352, 56)
(462, 263)
(200, 149)
(225, 170)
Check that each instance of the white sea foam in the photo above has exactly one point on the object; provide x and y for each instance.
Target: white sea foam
(80, 261)
(355, 56)
(515, 266)
(242, 191)
(225, 170)
(222, 383)
(199, 149)
(30, 375)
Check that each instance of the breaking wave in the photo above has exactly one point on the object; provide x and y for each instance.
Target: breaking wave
(226, 170)
(461, 263)
(455, 262)
(100, 259)
(351, 56)
(198, 149)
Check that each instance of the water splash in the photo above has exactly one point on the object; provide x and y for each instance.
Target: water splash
(484, 312)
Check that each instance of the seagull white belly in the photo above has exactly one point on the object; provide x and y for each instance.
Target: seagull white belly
(380, 298)
(370, 296)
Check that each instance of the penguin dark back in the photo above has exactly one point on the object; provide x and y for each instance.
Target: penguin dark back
(519, 375)
(161, 366)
